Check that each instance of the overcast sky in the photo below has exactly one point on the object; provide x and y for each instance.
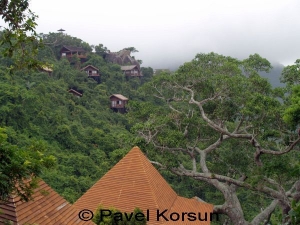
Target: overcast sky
(168, 33)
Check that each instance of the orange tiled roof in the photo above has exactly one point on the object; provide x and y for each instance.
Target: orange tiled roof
(47, 207)
(135, 182)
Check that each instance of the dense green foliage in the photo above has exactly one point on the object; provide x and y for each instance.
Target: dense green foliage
(218, 122)
(292, 112)
(83, 134)
(19, 165)
(19, 39)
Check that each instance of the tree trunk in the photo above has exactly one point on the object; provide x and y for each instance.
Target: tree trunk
(232, 207)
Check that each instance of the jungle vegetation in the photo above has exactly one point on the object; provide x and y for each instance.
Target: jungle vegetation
(214, 128)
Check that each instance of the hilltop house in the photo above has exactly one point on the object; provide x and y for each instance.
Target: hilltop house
(46, 207)
(118, 103)
(135, 182)
(70, 51)
(93, 72)
(131, 71)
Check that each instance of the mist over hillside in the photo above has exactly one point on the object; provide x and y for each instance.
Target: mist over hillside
(274, 75)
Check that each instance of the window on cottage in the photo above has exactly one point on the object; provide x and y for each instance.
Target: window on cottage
(63, 54)
(113, 103)
(119, 102)
(94, 71)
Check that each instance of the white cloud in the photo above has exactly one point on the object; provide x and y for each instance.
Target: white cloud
(170, 32)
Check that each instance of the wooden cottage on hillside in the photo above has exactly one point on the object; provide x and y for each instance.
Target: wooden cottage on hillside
(46, 207)
(131, 71)
(93, 72)
(118, 103)
(75, 93)
(70, 51)
(135, 182)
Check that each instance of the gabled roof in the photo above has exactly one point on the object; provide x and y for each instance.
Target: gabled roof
(119, 96)
(75, 92)
(128, 67)
(73, 49)
(134, 182)
(90, 66)
(47, 207)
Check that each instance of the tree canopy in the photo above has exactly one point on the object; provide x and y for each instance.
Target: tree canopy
(217, 121)
(19, 39)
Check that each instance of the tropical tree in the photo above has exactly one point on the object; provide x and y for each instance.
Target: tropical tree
(292, 112)
(19, 167)
(19, 39)
(101, 50)
(131, 49)
(291, 74)
(217, 121)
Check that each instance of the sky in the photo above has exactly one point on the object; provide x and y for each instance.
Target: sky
(168, 33)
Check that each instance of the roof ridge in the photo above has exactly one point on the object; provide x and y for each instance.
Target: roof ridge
(132, 182)
(147, 174)
(45, 207)
(15, 210)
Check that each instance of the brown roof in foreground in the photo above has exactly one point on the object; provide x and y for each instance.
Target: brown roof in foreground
(119, 96)
(47, 207)
(135, 182)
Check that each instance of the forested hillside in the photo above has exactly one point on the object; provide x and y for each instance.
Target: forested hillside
(83, 133)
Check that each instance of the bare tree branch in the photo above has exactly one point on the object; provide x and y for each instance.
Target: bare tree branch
(270, 192)
(265, 214)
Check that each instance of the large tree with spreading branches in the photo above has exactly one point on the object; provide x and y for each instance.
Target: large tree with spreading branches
(217, 121)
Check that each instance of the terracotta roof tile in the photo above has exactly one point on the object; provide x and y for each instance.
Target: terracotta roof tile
(47, 207)
(135, 182)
